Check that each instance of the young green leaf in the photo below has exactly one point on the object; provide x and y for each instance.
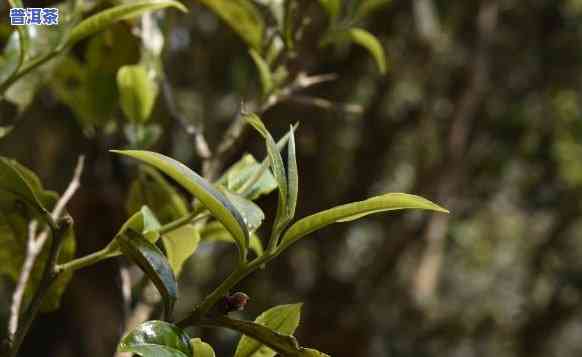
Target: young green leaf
(215, 231)
(249, 178)
(201, 348)
(105, 18)
(208, 195)
(253, 215)
(332, 7)
(282, 218)
(153, 263)
(282, 319)
(292, 175)
(243, 17)
(179, 245)
(138, 92)
(355, 210)
(264, 72)
(157, 339)
(285, 345)
(371, 43)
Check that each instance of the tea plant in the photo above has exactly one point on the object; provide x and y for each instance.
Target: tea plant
(37, 233)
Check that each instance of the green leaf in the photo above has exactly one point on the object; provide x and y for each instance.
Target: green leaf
(215, 231)
(332, 7)
(243, 17)
(264, 72)
(249, 178)
(282, 218)
(370, 43)
(252, 214)
(179, 245)
(292, 175)
(208, 195)
(282, 319)
(105, 18)
(157, 339)
(201, 348)
(153, 263)
(20, 182)
(355, 210)
(285, 345)
(367, 7)
(138, 92)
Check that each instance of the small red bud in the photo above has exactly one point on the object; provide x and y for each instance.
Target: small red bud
(236, 301)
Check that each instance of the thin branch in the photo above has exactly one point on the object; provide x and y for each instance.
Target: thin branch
(35, 245)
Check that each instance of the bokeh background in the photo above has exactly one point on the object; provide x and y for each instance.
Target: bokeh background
(480, 111)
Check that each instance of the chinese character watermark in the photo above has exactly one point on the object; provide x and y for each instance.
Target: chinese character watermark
(36, 16)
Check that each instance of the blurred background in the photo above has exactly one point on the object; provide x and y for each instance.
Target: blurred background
(480, 111)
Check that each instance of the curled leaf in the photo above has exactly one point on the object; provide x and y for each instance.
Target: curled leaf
(153, 263)
(209, 196)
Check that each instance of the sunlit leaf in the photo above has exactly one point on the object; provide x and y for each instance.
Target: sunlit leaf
(107, 17)
(243, 17)
(153, 263)
(282, 218)
(138, 92)
(292, 175)
(179, 245)
(249, 178)
(264, 72)
(252, 214)
(201, 348)
(355, 210)
(157, 339)
(208, 195)
(282, 319)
